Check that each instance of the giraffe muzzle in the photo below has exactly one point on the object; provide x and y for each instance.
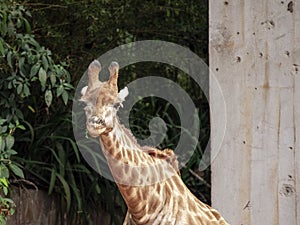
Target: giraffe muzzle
(97, 120)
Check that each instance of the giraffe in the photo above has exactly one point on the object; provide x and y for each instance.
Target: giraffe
(148, 179)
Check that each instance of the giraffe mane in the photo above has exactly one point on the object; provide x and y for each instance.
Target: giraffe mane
(129, 133)
(166, 154)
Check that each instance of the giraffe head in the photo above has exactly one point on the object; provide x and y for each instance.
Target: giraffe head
(102, 99)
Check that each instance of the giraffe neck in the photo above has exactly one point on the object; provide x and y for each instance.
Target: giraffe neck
(139, 176)
(130, 163)
(152, 189)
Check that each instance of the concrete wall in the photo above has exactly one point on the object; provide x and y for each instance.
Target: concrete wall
(255, 56)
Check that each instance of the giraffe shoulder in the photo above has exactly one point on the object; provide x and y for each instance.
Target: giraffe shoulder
(166, 154)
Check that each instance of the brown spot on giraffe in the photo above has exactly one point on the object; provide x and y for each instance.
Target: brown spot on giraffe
(118, 156)
(117, 144)
(109, 143)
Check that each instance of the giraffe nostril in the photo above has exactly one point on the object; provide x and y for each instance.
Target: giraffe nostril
(102, 122)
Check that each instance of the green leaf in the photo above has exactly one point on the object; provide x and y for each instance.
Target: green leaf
(52, 181)
(19, 23)
(9, 60)
(56, 156)
(34, 69)
(12, 211)
(3, 129)
(11, 126)
(11, 152)
(69, 86)
(16, 170)
(31, 108)
(3, 28)
(65, 97)
(19, 88)
(62, 158)
(21, 62)
(30, 58)
(10, 141)
(33, 42)
(9, 86)
(11, 28)
(42, 76)
(48, 97)
(27, 26)
(5, 191)
(59, 90)
(2, 121)
(19, 114)
(33, 79)
(74, 146)
(21, 127)
(75, 189)
(28, 13)
(10, 201)
(4, 172)
(45, 62)
(4, 181)
(26, 90)
(1, 48)
(52, 79)
(66, 190)
(2, 144)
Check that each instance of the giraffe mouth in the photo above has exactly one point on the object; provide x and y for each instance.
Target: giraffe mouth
(97, 126)
(94, 120)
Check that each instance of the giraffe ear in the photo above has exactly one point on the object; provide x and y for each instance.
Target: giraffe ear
(123, 94)
(83, 90)
(121, 97)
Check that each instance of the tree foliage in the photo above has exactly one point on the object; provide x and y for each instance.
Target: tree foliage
(30, 81)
